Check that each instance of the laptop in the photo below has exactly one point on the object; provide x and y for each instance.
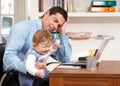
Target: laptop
(102, 47)
(82, 60)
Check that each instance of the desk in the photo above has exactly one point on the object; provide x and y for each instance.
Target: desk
(106, 74)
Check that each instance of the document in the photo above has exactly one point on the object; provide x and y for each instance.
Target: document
(52, 64)
(69, 67)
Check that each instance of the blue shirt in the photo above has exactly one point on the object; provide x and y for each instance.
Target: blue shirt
(20, 40)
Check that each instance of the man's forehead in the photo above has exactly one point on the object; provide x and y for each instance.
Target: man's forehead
(60, 18)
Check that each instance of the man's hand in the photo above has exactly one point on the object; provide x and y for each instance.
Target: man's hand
(61, 29)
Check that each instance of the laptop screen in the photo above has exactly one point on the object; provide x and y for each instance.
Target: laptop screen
(102, 47)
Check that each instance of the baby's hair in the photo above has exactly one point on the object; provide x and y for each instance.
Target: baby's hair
(41, 36)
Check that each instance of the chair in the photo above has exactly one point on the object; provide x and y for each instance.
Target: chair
(2, 48)
(9, 78)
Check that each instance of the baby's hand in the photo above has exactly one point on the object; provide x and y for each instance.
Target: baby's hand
(41, 64)
(55, 46)
(40, 73)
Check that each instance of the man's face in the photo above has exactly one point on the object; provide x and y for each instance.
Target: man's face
(52, 22)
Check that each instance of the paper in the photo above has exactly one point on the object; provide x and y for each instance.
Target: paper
(52, 64)
(69, 67)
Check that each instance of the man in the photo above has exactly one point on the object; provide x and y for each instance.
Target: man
(20, 40)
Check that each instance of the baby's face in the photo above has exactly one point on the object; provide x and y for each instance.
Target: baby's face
(43, 47)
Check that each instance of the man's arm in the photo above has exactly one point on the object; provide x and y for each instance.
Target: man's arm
(12, 58)
(65, 50)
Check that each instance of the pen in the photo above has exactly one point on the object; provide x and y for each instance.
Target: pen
(91, 53)
(95, 52)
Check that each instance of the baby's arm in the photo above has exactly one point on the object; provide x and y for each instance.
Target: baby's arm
(30, 63)
(54, 47)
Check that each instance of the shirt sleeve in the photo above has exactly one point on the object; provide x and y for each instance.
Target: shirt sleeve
(18, 43)
(30, 64)
(14, 53)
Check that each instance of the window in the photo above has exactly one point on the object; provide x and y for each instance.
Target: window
(7, 17)
(11, 12)
(7, 22)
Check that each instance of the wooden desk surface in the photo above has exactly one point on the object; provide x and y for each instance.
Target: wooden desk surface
(106, 74)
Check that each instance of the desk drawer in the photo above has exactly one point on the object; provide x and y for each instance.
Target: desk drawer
(87, 82)
(84, 82)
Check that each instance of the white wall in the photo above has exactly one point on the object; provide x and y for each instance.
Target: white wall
(104, 26)
(101, 25)
(34, 9)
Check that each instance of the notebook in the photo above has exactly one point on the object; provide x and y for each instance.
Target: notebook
(82, 60)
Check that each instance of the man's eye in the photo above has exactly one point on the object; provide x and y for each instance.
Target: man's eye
(55, 21)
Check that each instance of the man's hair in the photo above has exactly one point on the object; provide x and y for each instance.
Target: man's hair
(58, 9)
(41, 36)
